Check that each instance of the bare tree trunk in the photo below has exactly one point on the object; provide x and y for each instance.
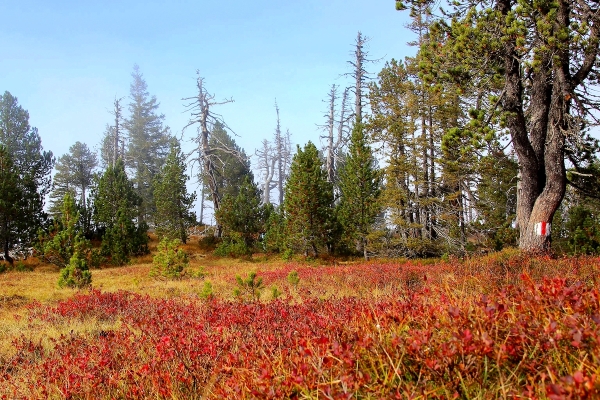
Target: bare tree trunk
(202, 204)
(359, 75)
(266, 163)
(201, 114)
(283, 145)
(329, 165)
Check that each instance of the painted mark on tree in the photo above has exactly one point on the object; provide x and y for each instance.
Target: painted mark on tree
(542, 228)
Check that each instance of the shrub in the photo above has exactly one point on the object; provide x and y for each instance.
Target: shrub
(170, 261)
(233, 247)
(293, 278)
(250, 286)
(275, 293)
(207, 291)
(76, 274)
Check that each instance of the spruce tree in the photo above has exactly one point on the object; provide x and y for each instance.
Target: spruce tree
(172, 201)
(115, 210)
(308, 202)
(148, 142)
(359, 188)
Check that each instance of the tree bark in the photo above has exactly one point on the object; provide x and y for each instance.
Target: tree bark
(539, 139)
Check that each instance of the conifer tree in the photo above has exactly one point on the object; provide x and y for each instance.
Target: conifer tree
(544, 57)
(172, 201)
(242, 219)
(359, 188)
(74, 174)
(11, 202)
(66, 237)
(115, 210)
(308, 203)
(33, 165)
(232, 165)
(148, 142)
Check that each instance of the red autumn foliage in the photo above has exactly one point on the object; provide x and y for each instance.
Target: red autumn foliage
(532, 339)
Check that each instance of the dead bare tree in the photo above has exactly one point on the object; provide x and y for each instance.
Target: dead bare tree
(359, 74)
(274, 161)
(283, 146)
(266, 163)
(337, 123)
(204, 118)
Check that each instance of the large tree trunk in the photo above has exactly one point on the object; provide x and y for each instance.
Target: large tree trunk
(539, 140)
(7, 256)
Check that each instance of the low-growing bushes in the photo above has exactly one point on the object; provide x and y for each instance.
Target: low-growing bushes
(456, 329)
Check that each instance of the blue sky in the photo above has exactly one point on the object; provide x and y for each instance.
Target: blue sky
(67, 60)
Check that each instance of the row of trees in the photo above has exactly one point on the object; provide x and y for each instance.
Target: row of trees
(310, 220)
(472, 143)
(143, 182)
(481, 135)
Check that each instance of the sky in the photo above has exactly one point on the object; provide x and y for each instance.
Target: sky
(66, 61)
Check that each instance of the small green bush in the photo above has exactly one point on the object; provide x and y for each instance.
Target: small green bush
(207, 291)
(233, 247)
(251, 286)
(275, 292)
(170, 262)
(287, 254)
(76, 274)
(293, 278)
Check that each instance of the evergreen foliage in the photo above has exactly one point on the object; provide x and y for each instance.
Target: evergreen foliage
(360, 189)
(308, 203)
(74, 174)
(583, 231)
(275, 237)
(76, 274)
(115, 210)
(170, 261)
(232, 165)
(242, 219)
(148, 143)
(173, 215)
(66, 237)
(250, 287)
(11, 202)
(33, 165)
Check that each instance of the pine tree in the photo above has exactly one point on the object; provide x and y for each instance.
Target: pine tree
(148, 142)
(11, 202)
(75, 175)
(66, 237)
(33, 165)
(308, 203)
(360, 189)
(172, 201)
(232, 165)
(242, 218)
(115, 210)
(544, 55)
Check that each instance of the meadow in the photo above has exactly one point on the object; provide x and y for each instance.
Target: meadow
(503, 325)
